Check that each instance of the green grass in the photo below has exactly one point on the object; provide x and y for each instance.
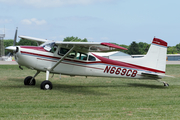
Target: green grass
(88, 98)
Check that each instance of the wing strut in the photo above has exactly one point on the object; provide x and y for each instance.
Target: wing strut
(62, 58)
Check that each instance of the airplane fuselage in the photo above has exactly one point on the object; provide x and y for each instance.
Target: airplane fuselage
(82, 59)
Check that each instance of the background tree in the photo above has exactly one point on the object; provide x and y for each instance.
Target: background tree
(7, 43)
(178, 48)
(172, 50)
(143, 47)
(134, 49)
(27, 42)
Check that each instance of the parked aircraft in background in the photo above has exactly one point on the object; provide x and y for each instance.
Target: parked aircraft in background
(84, 59)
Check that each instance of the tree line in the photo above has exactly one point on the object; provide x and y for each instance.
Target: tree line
(134, 48)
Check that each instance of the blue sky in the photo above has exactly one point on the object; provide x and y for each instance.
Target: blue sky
(118, 21)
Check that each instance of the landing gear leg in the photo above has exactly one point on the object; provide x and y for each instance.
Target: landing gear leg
(31, 80)
(165, 84)
(46, 85)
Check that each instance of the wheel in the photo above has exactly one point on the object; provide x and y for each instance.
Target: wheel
(46, 85)
(27, 81)
(166, 84)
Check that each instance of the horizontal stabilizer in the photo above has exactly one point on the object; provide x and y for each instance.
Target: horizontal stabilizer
(154, 75)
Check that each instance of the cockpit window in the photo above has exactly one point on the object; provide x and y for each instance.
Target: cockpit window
(63, 51)
(51, 47)
(76, 55)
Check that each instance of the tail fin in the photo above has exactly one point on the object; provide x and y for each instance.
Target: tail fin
(156, 56)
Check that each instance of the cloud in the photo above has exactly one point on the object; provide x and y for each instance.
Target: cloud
(33, 21)
(3, 21)
(53, 3)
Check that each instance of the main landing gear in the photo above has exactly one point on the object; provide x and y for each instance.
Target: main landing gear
(29, 81)
(45, 85)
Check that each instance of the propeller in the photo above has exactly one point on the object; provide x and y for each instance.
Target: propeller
(12, 49)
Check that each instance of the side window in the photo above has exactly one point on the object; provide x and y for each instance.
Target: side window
(63, 51)
(72, 54)
(81, 56)
(91, 58)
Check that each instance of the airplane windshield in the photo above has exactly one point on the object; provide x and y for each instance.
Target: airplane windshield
(51, 47)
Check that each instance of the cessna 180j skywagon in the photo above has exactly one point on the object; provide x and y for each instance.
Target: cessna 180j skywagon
(81, 59)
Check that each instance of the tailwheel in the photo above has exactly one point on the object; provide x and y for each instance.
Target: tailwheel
(166, 84)
(46, 85)
(29, 81)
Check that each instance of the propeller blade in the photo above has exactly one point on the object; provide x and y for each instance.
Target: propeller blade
(15, 37)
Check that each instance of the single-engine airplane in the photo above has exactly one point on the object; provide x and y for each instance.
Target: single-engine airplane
(80, 59)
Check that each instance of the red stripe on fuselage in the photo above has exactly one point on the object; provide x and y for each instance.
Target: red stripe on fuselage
(128, 65)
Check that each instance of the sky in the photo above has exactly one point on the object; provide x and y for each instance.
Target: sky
(117, 21)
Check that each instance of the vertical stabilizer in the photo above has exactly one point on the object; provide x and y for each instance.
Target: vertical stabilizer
(156, 56)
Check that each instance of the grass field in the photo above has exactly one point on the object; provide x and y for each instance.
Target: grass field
(88, 98)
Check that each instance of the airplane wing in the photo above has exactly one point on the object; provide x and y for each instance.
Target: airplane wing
(92, 46)
(38, 40)
(34, 39)
(85, 46)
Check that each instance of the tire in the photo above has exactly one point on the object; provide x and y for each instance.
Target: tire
(46, 85)
(27, 81)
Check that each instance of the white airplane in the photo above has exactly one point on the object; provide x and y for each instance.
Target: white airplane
(81, 59)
